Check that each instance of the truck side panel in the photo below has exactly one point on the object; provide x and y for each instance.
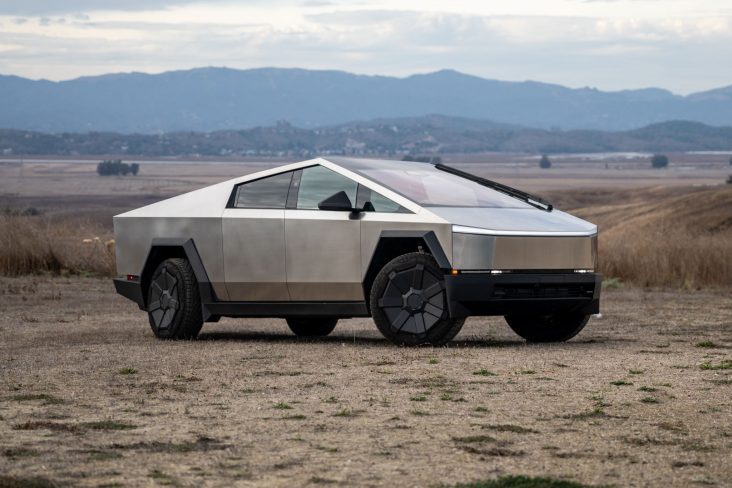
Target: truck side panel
(134, 236)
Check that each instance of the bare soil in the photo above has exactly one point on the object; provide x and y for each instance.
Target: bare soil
(88, 397)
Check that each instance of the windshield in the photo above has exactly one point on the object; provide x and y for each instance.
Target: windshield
(430, 187)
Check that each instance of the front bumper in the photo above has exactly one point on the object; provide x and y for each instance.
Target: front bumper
(471, 294)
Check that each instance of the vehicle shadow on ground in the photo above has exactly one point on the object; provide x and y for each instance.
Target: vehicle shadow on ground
(469, 342)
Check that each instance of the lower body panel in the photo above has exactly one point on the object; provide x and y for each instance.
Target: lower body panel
(470, 294)
(287, 309)
(213, 309)
(130, 289)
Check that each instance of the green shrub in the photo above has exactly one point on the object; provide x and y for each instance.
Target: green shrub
(115, 167)
(659, 161)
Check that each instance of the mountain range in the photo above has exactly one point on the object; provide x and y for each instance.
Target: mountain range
(215, 99)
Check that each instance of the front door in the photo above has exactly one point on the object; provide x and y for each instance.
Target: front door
(254, 240)
(323, 248)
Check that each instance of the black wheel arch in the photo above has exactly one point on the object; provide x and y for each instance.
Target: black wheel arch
(167, 248)
(394, 243)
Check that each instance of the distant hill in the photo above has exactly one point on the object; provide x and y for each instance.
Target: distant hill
(431, 134)
(213, 99)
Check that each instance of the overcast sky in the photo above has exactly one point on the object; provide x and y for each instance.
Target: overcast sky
(682, 45)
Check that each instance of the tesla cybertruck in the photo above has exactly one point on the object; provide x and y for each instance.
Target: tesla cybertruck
(419, 247)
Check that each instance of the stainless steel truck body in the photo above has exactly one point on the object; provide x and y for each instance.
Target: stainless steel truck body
(419, 247)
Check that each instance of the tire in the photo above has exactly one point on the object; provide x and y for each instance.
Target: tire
(174, 302)
(312, 326)
(547, 328)
(409, 303)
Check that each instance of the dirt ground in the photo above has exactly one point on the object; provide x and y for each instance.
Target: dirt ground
(88, 397)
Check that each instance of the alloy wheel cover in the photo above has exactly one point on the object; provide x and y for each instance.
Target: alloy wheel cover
(164, 299)
(413, 300)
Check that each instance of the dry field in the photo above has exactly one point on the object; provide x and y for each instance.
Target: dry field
(679, 236)
(657, 227)
(89, 398)
(641, 398)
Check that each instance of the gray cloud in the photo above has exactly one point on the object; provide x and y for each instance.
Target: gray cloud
(54, 7)
(316, 3)
(571, 51)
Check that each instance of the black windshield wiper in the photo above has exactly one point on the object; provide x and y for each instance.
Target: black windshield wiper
(521, 195)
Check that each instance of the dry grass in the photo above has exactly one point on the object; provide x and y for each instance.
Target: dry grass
(679, 237)
(674, 237)
(37, 244)
(674, 258)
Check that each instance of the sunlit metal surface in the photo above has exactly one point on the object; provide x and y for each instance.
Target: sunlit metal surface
(306, 255)
(254, 254)
(473, 251)
(514, 221)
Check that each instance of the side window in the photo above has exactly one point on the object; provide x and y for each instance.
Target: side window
(268, 192)
(379, 203)
(318, 183)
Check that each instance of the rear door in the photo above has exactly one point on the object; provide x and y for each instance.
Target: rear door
(323, 248)
(254, 240)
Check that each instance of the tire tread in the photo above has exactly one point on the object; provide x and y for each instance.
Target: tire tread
(188, 322)
(312, 326)
(440, 334)
(557, 328)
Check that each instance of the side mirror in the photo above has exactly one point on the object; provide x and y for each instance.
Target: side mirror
(338, 202)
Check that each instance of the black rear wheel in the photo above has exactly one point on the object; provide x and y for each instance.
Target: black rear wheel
(312, 326)
(409, 303)
(173, 301)
(556, 327)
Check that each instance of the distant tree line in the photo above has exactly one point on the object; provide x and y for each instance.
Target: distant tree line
(376, 138)
(423, 159)
(26, 212)
(115, 167)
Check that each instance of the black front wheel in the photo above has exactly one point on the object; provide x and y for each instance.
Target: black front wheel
(558, 327)
(409, 303)
(312, 326)
(173, 301)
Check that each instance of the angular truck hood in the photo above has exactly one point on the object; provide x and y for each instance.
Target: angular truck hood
(514, 221)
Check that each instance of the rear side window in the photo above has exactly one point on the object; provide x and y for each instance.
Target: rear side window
(269, 192)
(318, 183)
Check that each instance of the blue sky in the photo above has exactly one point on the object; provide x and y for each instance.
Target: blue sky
(681, 45)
